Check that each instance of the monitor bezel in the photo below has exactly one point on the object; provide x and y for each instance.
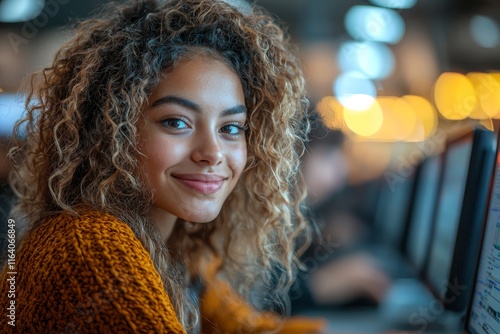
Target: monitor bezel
(418, 175)
(466, 234)
(382, 213)
(468, 312)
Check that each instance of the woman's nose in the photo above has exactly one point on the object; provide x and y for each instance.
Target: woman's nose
(207, 149)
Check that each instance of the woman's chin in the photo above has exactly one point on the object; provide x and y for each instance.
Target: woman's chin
(201, 218)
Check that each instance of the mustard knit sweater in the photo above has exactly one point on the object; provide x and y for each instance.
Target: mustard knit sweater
(91, 274)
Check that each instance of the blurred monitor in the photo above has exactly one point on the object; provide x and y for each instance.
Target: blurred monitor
(484, 313)
(424, 200)
(392, 214)
(458, 218)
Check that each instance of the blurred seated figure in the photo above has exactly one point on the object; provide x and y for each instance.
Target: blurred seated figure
(333, 277)
(324, 164)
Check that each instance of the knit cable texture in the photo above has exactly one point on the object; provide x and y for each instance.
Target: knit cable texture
(87, 274)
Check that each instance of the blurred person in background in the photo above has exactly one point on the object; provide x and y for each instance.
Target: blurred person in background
(324, 149)
(325, 168)
(333, 278)
(159, 180)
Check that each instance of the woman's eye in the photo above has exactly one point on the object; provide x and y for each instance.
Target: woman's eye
(232, 129)
(175, 123)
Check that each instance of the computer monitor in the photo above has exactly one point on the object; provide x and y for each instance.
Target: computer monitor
(392, 214)
(458, 217)
(483, 316)
(424, 200)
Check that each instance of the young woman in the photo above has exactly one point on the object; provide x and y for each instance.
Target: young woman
(162, 150)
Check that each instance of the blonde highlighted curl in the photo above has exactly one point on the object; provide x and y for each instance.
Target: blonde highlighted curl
(81, 148)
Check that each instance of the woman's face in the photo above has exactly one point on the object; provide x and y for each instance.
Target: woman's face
(193, 138)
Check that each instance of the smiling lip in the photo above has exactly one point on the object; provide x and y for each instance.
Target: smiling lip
(206, 184)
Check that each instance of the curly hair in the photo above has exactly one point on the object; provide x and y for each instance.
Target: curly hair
(81, 149)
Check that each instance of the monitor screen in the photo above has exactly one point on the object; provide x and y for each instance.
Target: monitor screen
(449, 204)
(484, 316)
(422, 212)
(395, 203)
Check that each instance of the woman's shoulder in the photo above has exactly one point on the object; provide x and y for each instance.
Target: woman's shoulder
(88, 226)
(90, 271)
(86, 222)
(93, 237)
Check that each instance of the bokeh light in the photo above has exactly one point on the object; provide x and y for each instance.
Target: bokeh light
(488, 95)
(354, 90)
(400, 119)
(375, 60)
(20, 10)
(454, 95)
(396, 4)
(409, 118)
(331, 112)
(496, 77)
(426, 117)
(485, 31)
(369, 23)
(364, 122)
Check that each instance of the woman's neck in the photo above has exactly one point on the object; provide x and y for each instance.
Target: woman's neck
(165, 222)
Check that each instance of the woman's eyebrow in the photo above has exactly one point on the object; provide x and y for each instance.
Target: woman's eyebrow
(240, 109)
(172, 99)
